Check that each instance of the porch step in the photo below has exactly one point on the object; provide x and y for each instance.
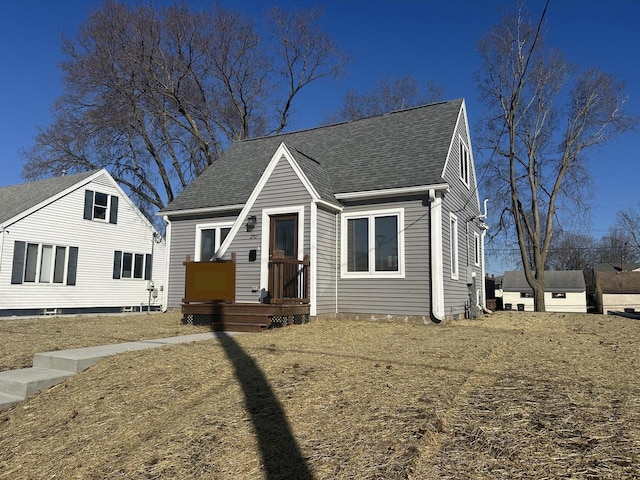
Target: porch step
(28, 381)
(237, 327)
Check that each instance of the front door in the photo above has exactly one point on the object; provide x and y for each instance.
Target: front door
(283, 255)
(284, 236)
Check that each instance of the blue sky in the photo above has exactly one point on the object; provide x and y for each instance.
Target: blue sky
(428, 39)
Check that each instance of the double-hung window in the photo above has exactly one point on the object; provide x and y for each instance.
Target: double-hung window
(373, 244)
(44, 263)
(100, 206)
(131, 265)
(453, 246)
(209, 237)
(476, 249)
(465, 163)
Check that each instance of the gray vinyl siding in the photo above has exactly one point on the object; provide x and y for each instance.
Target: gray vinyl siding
(183, 241)
(283, 189)
(462, 201)
(326, 263)
(394, 296)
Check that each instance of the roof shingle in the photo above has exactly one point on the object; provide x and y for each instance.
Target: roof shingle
(16, 199)
(399, 149)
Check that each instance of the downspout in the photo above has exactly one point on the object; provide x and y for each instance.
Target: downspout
(485, 227)
(1, 245)
(167, 263)
(437, 269)
(338, 261)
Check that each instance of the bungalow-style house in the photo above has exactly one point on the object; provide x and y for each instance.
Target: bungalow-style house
(76, 244)
(617, 289)
(565, 291)
(385, 209)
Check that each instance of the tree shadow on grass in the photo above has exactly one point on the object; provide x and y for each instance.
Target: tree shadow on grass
(281, 455)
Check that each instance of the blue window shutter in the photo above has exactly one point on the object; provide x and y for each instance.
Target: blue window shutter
(72, 267)
(18, 262)
(113, 211)
(148, 265)
(117, 264)
(88, 204)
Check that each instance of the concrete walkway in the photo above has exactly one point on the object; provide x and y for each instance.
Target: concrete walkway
(51, 368)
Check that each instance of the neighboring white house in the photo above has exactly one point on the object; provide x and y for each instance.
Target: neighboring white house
(617, 291)
(565, 291)
(75, 244)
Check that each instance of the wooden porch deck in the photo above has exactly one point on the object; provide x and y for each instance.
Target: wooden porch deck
(210, 296)
(244, 317)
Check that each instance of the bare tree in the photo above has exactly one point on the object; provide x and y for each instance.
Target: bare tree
(616, 248)
(156, 95)
(628, 221)
(539, 135)
(571, 251)
(387, 95)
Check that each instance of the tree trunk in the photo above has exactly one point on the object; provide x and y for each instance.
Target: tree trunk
(538, 298)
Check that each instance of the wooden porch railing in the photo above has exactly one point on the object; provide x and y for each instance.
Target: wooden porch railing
(289, 280)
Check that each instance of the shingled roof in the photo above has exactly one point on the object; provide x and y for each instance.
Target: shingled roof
(618, 282)
(16, 199)
(401, 149)
(554, 281)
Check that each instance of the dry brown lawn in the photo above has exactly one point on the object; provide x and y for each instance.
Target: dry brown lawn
(513, 395)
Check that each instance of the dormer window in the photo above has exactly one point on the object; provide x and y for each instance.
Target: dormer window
(100, 206)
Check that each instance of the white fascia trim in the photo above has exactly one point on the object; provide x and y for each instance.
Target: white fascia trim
(344, 273)
(392, 192)
(298, 171)
(331, 206)
(313, 257)
(281, 151)
(198, 211)
(437, 269)
(266, 235)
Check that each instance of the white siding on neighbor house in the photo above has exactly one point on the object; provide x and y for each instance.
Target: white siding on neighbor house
(326, 263)
(462, 201)
(393, 296)
(183, 241)
(575, 302)
(61, 223)
(618, 302)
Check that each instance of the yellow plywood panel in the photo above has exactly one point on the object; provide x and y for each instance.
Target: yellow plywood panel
(210, 281)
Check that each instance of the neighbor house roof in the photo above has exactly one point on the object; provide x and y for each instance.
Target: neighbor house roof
(618, 282)
(610, 267)
(555, 281)
(401, 149)
(16, 199)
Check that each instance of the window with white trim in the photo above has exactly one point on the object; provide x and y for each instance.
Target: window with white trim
(453, 245)
(44, 263)
(373, 244)
(558, 295)
(209, 237)
(131, 265)
(465, 163)
(476, 249)
(100, 206)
